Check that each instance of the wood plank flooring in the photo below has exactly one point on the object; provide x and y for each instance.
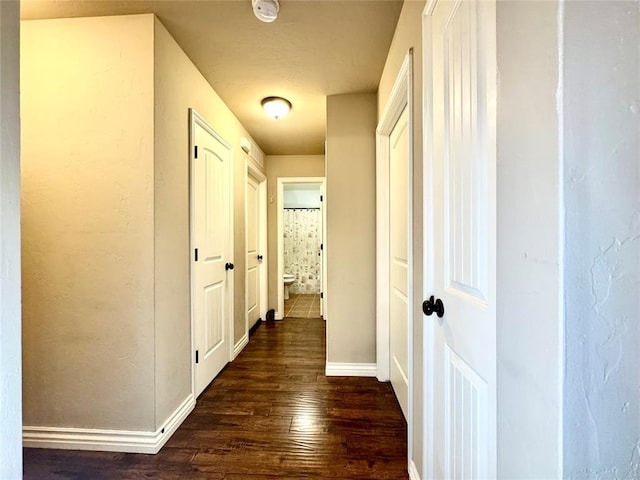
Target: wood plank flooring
(271, 414)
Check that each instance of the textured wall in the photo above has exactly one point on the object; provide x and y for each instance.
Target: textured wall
(10, 354)
(351, 236)
(408, 35)
(602, 271)
(87, 222)
(283, 166)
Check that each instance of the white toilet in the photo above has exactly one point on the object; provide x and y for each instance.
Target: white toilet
(288, 281)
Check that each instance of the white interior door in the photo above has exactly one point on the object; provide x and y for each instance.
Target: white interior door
(462, 226)
(211, 276)
(254, 255)
(399, 260)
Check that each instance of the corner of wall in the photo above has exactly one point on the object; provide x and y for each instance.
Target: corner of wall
(10, 314)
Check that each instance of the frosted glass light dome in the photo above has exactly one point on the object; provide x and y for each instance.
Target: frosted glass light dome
(276, 107)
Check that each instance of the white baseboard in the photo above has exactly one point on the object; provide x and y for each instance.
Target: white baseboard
(413, 471)
(350, 369)
(108, 440)
(237, 348)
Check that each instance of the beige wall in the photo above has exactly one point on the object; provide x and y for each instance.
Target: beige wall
(179, 86)
(408, 35)
(10, 333)
(106, 220)
(87, 222)
(351, 236)
(283, 166)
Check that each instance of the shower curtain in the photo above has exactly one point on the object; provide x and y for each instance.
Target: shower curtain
(302, 248)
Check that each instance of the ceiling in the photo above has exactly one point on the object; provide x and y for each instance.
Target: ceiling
(315, 48)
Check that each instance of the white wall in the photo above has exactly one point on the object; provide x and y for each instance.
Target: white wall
(529, 321)
(296, 197)
(10, 332)
(602, 254)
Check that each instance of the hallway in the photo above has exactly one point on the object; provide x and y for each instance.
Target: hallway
(270, 414)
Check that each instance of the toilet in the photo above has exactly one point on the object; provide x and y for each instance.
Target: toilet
(288, 281)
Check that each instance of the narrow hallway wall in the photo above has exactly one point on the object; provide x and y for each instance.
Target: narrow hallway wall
(601, 132)
(351, 235)
(106, 223)
(10, 333)
(408, 35)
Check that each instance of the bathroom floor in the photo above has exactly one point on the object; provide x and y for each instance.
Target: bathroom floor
(302, 306)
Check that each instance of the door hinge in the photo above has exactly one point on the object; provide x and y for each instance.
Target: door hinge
(321, 294)
(197, 358)
(322, 246)
(321, 198)
(195, 255)
(195, 151)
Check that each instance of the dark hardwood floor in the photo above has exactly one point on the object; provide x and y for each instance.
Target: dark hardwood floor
(270, 414)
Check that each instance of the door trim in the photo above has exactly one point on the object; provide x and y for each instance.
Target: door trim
(401, 97)
(281, 181)
(427, 246)
(254, 170)
(196, 118)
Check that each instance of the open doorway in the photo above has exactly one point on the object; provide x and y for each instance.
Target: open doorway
(301, 243)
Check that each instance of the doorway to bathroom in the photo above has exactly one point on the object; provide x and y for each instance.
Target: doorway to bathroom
(301, 247)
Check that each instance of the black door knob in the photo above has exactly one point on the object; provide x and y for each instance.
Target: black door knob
(228, 266)
(433, 306)
(259, 258)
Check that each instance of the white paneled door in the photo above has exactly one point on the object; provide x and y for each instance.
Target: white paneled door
(460, 221)
(254, 256)
(398, 260)
(212, 265)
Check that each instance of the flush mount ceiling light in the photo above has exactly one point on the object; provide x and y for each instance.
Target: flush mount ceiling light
(276, 107)
(265, 10)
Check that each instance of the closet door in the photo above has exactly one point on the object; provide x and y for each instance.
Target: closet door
(461, 299)
(212, 265)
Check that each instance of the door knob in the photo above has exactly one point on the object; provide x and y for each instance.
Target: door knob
(430, 306)
(228, 266)
(259, 258)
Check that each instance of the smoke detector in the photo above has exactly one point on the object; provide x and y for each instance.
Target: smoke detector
(265, 10)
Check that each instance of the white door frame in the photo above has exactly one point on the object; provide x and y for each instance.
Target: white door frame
(253, 170)
(195, 117)
(427, 240)
(401, 97)
(281, 181)
(323, 252)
